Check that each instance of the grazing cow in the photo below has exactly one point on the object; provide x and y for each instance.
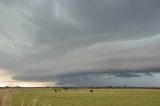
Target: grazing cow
(55, 90)
(91, 90)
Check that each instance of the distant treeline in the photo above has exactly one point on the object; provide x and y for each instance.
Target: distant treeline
(108, 87)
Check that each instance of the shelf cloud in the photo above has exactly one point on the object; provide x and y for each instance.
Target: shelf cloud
(80, 41)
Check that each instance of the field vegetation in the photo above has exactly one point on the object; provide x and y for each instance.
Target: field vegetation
(79, 97)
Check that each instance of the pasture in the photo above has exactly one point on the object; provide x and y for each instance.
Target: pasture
(79, 97)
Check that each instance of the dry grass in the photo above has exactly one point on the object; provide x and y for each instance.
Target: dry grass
(83, 97)
(80, 97)
(5, 97)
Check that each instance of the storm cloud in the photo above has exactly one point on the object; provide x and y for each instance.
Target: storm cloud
(79, 40)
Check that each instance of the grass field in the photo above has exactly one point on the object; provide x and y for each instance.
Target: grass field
(79, 97)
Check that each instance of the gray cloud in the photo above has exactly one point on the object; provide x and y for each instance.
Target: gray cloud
(50, 39)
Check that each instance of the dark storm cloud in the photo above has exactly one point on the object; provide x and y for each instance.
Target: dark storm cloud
(94, 21)
(55, 38)
(125, 17)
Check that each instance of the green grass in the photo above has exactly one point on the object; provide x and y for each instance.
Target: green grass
(82, 97)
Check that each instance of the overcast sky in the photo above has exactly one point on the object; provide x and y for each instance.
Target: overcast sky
(80, 42)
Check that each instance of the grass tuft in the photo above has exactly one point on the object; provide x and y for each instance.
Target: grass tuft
(6, 96)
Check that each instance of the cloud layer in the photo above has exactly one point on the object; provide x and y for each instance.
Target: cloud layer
(52, 40)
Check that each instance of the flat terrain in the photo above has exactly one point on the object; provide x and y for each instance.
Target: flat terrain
(83, 97)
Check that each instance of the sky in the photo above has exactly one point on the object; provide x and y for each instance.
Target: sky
(80, 43)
